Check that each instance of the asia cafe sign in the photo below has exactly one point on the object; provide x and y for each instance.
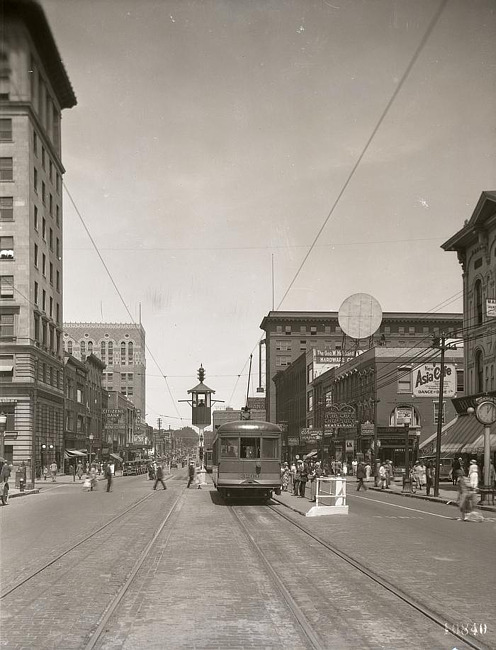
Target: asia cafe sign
(426, 380)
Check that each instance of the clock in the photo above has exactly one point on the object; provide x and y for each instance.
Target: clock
(486, 412)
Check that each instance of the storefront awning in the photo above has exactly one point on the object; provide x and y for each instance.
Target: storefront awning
(312, 454)
(71, 453)
(117, 457)
(460, 436)
(477, 447)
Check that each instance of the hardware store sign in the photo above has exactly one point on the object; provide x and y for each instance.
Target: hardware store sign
(426, 378)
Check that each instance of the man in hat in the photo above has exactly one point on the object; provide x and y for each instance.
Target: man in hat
(191, 473)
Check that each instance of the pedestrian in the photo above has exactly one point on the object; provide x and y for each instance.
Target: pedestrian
(53, 471)
(456, 470)
(296, 479)
(354, 466)
(191, 473)
(109, 477)
(389, 472)
(492, 475)
(159, 477)
(303, 478)
(429, 477)
(93, 479)
(422, 474)
(464, 496)
(314, 477)
(473, 478)
(382, 476)
(79, 470)
(416, 475)
(368, 471)
(285, 476)
(360, 474)
(4, 482)
(45, 473)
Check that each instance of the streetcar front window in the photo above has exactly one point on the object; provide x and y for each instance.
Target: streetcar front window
(229, 447)
(270, 448)
(250, 448)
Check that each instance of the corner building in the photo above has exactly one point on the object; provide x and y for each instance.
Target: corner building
(34, 90)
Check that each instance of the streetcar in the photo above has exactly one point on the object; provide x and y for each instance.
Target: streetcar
(246, 459)
(207, 460)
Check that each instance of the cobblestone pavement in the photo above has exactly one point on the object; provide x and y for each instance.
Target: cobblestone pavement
(203, 586)
(421, 547)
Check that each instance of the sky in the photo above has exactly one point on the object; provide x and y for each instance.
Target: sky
(212, 139)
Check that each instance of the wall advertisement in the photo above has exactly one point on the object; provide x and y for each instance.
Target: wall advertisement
(426, 378)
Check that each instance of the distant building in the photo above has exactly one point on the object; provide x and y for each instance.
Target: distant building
(34, 90)
(289, 333)
(120, 426)
(121, 346)
(223, 416)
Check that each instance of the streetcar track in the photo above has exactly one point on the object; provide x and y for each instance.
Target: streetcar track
(432, 615)
(16, 586)
(305, 626)
(114, 603)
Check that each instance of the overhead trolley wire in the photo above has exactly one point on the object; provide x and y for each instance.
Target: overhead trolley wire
(118, 292)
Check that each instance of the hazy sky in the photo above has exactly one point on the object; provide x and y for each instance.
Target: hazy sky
(212, 135)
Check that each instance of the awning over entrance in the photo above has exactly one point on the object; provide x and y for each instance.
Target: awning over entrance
(464, 435)
(312, 454)
(117, 457)
(72, 453)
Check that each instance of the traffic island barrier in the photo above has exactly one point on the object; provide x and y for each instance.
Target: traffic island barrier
(330, 497)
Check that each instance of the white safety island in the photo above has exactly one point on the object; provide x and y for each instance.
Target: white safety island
(330, 497)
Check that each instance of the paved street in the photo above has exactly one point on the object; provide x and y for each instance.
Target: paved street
(203, 586)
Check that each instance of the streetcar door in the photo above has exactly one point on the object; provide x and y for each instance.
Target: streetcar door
(249, 454)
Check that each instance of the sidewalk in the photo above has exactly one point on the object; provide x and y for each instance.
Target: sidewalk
(447, 494)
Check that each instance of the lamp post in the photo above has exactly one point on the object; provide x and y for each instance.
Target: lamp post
(3, 425)
(91, 443)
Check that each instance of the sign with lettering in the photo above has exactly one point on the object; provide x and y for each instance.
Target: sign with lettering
(307, 435)
(341, 416)
(426, 378)
(293, 442)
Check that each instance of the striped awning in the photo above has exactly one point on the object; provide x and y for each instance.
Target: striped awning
(117, 457)
(72, 453)
(477, 446)
(461, 436)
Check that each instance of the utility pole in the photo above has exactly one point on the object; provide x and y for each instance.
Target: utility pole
(159, 425)
(440, 343)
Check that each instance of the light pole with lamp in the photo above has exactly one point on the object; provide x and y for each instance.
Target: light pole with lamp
(3, 426)
(91, 443)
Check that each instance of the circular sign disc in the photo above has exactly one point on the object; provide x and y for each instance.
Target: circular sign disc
(360, 316)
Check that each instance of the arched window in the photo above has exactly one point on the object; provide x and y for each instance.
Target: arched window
(102, 350)
(404, 414)
(123, 353)
(90, 347)
(130, 352)
(69, 347)
(478, 302)
(83, 348)
(110, 353)
(479, 372)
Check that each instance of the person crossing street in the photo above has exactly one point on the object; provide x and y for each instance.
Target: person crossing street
(159, 477)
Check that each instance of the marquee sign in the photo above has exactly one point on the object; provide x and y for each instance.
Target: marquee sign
(341, 416)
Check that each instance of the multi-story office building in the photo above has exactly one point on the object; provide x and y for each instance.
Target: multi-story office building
(34, 89)
(121, 347)
(289, 333)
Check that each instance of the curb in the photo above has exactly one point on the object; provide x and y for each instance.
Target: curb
(23, 494)
(424, 497)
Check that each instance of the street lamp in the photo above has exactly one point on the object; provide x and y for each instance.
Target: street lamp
(91, 443)
(3, 426)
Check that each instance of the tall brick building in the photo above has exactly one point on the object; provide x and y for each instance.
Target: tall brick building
(34, 90)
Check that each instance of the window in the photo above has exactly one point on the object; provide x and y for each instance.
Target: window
(51, 273)
(82, 348)
(6, 326)
(51, 307)
(479, 373)
(404, 374)
(57, 183)
(111, 353)
(6, 248)
(50, 203)
(123, 376)
(313, 331)
(460, 381)
(7, 208)
(57, 248)
(43, 228)
(130, 391)
(50, 172)
(6, 169)
(6, 367)
(69, 347)
(43, 333)
(283, 361)
(50, 239)
(35, 180)
(6, 129)
(6, 287)
(36, 255)
(102, 350)
(287, 330)
(309, 373)
(90, 347)
(310, 401)
(270, 448)
(35, 143)
(57, 280)
(36, 327)
(43, 264)
(35, 218)
(411, 331)
(229, 447)
(43, 192)
(478, 302)
(130, 352)
(35, 293)
(303, 344)
(57, 215)
(436, 411)
(283, 345)
(43, 300)
(79, 395)
(250, 448)
(43, 157)
(123, 353)
(57, 310)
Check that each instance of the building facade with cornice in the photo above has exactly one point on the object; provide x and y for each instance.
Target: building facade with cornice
(290, 333)
(34, 90)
